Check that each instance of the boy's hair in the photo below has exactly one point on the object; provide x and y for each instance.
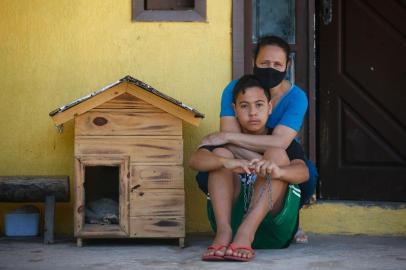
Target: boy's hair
(272, 40)
(248, 81)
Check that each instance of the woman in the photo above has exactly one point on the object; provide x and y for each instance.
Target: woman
(289, 107)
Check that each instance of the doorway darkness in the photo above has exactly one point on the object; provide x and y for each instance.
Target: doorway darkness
(101, 182)
(102, 194)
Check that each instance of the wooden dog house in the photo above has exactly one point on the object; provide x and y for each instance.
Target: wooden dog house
(131, 133)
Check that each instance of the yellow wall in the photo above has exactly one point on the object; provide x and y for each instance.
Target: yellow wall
(53, 52)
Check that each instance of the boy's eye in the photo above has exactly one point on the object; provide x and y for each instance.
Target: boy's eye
(243, 106)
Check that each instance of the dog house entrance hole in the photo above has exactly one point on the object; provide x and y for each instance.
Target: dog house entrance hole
(102, 194)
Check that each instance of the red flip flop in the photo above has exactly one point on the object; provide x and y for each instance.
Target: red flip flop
(234, 248)
(214, 257)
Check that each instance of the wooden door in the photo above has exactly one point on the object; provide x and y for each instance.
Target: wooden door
(157, 201)
(362, 147)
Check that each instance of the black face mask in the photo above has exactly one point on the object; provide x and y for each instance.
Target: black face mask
(269, 77)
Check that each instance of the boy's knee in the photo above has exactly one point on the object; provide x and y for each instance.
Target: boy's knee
(276, 154)
(223, 152)
(274, 151)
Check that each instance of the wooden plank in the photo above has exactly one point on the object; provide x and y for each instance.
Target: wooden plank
(102, 231)
(49, 219)
(163, 104)
(238, 38)
(141, 149)
(79, 242)
(124, 197)
(79, 205)
(157, 202)
(129, 103)
(182, 242)
(116, 123)
(89, 104)
(157, 227)
(156, 177)
(33, 188)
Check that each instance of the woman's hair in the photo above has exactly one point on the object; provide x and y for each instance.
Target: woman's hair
(245, 82)
(272, 40)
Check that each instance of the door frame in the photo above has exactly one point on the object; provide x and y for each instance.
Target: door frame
(101, 231)
(305, 34)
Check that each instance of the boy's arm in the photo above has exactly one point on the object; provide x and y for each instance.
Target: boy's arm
(203, 160)
(294, 173)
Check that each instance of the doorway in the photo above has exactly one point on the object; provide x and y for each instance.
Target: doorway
(362, 100)
(101, 189)
(356, 128)
(101, 196)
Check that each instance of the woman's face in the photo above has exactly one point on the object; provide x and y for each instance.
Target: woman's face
(271, 56)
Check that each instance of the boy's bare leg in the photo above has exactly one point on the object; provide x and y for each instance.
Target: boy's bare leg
(246, 231)
(223, 189)
(260, 206)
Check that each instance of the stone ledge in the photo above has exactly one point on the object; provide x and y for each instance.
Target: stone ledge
(351, 218)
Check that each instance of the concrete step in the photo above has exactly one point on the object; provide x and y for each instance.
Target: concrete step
(353, 217)
(324, 252)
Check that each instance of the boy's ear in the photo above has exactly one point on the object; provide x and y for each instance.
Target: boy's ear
(270, 107)
(235, 111)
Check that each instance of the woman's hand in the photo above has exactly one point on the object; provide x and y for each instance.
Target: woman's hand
(216, 138)
(264, 167)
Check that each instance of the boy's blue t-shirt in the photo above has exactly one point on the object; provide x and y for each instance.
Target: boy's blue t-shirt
(289, 111)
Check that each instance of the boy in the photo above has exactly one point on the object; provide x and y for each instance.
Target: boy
(268, 219)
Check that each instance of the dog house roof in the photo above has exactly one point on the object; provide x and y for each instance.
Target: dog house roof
(132, 86)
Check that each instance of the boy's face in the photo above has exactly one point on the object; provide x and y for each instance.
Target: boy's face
(252, 110)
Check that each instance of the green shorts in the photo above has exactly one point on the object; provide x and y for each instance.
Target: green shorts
(273, 232)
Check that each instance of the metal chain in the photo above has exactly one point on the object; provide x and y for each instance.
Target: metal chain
(267, 186)
(248, 181)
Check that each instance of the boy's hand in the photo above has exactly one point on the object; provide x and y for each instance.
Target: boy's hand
(237, 165)
(216, 138)
(264, 167)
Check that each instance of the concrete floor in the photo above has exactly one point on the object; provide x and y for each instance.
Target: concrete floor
(323, 252)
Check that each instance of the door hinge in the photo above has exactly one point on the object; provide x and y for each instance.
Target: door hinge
(327, 11)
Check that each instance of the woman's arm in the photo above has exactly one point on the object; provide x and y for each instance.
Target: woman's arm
(229, 124)
(281, 136)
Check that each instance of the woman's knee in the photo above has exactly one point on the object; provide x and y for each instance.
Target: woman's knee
(223, 152)
(277, 155)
